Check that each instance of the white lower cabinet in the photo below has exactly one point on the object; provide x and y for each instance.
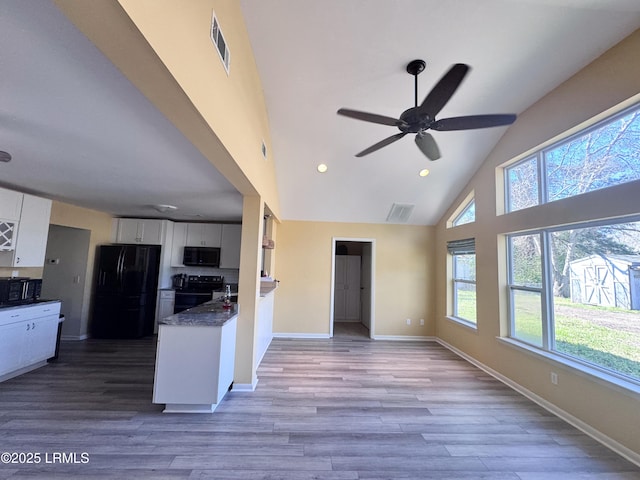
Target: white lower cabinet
(27, 337)
(166, 302)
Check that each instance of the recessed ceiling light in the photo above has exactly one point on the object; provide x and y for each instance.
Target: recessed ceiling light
(322, 168)
(5, 156)
(424, 172)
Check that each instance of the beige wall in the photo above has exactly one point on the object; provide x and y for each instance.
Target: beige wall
(611, 79)
(403, 282)
(99, 224)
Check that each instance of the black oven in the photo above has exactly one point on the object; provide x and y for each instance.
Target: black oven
(197, 289)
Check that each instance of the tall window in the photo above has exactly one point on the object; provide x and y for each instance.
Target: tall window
(604, 155)
(463, 254)
(576, 292)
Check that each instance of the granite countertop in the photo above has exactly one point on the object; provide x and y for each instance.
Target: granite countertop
(40, 301)
(209, 314)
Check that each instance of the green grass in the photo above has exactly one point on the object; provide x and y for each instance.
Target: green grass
(467, 305)
(581, 337)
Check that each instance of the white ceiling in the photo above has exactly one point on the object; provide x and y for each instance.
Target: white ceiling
(81, 133)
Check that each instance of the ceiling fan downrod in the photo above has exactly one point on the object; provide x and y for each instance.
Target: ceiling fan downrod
(415, 68)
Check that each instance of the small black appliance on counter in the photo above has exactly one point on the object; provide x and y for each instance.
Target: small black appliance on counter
(19, 290)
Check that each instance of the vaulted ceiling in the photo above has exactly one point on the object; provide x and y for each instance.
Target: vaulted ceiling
(79, 132)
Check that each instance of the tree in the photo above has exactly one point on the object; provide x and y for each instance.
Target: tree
(601, 157)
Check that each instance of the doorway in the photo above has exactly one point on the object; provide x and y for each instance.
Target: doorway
(63, 276)
(352, 286)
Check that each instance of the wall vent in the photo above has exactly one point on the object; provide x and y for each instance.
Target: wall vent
(400, 212)
(221, 45)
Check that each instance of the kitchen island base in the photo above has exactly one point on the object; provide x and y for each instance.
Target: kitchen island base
(194, 365)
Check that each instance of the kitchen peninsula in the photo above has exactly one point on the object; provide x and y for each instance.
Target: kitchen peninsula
(195, 358)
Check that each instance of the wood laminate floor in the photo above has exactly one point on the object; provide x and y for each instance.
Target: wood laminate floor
(337, 409)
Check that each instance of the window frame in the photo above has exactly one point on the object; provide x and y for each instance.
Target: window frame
(548, 347)
(539, 155)
(455, 249)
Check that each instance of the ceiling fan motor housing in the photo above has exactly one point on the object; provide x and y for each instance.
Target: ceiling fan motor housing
(414, 121)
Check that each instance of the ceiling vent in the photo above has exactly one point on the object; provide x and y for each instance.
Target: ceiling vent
(221, 45)
(400, 212)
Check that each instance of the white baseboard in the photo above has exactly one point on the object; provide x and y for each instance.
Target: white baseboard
(244, 387)
(405, 338)
(301, 335)
(584, 427)
(73, 338)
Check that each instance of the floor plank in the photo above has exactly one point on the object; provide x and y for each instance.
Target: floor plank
(347, 408)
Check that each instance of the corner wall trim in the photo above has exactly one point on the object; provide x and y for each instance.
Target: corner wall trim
(566, 416)
(244, 387)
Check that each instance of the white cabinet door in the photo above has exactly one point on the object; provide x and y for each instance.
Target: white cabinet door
(179, 241)
(204, 234)
(40, 341)
(138, 230)
(10, 205)
(33, 230)
(230, 246)
(347, 288)
(11, 345)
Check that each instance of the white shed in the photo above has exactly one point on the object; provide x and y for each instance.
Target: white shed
(607, 280)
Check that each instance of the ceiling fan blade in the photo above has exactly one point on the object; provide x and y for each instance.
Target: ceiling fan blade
(427, 145)
(371, 117)
(382, 143)
(473, 121)
(444, 89)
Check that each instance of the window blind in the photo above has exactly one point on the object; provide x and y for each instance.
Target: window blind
(462, 247)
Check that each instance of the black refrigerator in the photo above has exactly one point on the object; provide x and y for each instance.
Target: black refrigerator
(124, 301)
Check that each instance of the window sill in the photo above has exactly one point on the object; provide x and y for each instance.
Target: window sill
(463, 323)
(616, 382)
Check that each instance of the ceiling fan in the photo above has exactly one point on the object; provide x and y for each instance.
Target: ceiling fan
(421, 118)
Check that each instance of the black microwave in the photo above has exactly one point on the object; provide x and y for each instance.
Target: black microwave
(17, 290)
(201, 257)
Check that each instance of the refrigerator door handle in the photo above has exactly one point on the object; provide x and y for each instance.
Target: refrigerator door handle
(120, 266)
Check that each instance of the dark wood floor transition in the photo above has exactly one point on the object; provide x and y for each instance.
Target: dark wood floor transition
(335, 409)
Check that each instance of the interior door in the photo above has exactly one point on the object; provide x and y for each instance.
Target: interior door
(347, 288)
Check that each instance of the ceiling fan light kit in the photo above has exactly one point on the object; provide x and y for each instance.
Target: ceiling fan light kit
(421, 118)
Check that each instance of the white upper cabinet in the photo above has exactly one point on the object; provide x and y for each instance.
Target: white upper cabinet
(10, 208)
(139, 230)
(10, 205)
(204, 234)
(179, 241)
(31, 234)
(33, 231)
(230, 247)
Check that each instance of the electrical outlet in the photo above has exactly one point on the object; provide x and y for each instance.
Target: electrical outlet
(408, 321)
(422, 322)
(554, 378)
